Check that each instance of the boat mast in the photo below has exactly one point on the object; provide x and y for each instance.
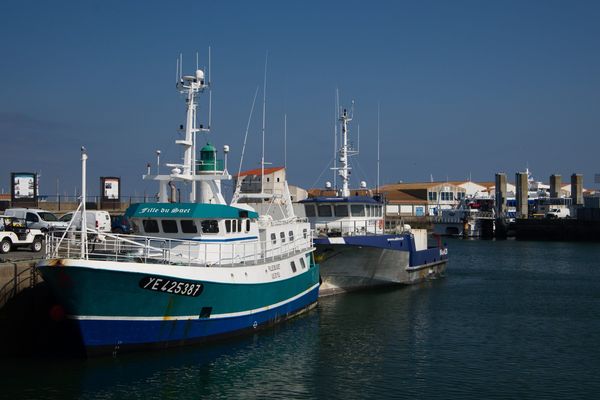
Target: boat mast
(345, 152)
(262, 159)
(206, 173)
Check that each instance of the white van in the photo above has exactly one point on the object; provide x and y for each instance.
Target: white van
(96, 219)
(36, 218)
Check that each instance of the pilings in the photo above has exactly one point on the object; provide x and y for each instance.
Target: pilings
(577, 189)
(555, 186)
(521, 195)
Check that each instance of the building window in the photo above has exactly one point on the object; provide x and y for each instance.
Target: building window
(358, 210)
(309, 210)
(150, 225)
(325, 210)
(432, 196)
(447, 196)
(210, 226)
(188, 226)
(341, 210)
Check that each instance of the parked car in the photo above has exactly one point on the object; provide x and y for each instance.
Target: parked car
(95, 219)
(36, 218)
(120, 224)
(14, 233)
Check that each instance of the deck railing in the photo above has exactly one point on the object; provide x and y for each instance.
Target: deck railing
(351, 228)
(144, 249)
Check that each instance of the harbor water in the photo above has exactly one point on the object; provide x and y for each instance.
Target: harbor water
(511, 319)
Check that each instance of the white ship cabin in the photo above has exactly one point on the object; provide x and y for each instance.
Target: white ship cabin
(214, 234)
(344, 216)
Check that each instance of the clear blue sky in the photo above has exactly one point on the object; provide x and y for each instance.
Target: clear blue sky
(466, 87)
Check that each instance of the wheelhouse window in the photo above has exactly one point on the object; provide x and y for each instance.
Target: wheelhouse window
(282, 237)
(358, 210)
(247, 225)
(325, 210)
(303, 263)
(210, 226)
(305, 233)
(169, 226)
(239, 225)
(341, 210)
(150, 225)
(291, 235)
(228, 225)
(188, 226)
(273, 238)
(309, 210)
(293, 264)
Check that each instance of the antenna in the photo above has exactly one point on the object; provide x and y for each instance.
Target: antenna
(378, 152)
(246, 134)
(177, 71)
(358, 128)
(209, 92)
(196, 61)
(262, 161)
(285, 140)
(180, 66)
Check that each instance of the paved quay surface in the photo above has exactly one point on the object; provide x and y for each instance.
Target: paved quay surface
(20, 255)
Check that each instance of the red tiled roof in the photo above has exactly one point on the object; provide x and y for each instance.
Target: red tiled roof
(257, 171)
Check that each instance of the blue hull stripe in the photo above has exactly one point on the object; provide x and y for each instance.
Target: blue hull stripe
(102, 333)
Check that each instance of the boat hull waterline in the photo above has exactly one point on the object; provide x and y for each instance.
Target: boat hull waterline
(120, 310)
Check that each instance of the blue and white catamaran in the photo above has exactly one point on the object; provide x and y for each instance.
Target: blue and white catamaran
(353, 249)
(192, 271)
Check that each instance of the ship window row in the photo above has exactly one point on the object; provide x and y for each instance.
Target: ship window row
(341, 210)
(302, 264)
(237, 225)
(190, 226)
(290, 236)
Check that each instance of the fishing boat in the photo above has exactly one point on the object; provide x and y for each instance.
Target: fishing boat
(472, 217)
(353, 249)
(192, 271)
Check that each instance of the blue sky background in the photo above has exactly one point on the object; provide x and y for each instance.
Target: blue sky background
(466, 87)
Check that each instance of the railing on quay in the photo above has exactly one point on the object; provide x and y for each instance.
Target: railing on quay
(24, 279)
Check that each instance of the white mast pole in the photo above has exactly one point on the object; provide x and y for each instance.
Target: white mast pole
(83, 196)
(335, 138)
(378, 152)
(285, 141)
(262, 160)
(344, 154)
